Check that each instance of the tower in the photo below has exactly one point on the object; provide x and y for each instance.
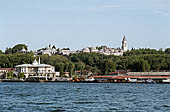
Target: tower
(39, 61)
(124, 44)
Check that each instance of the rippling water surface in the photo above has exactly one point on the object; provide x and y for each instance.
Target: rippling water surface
(84, 97)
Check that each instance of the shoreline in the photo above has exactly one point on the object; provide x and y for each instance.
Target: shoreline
(22, 81)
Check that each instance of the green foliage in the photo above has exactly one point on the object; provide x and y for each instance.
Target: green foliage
(61, 63)
(19, 47)
(1, 52)
(141, 61)
(88, 61)
(109, 66)
(142, 52)
(21, 75)
(10, 75)
(8, 51)
(71, 69)
(93, 62)
(140, 65)
(167, 50)
(66, 49)
(101, 47)
(15, 49)
(11, 60)
(80, 66)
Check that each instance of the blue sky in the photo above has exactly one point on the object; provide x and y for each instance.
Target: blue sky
(81, 23)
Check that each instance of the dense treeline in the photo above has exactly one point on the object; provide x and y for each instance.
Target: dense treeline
(145, 62)
(93, 62)
(11, 60)
(143, 51)
(60, 63)
(86, 63)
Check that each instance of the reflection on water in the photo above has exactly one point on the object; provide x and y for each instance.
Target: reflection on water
(84, 97)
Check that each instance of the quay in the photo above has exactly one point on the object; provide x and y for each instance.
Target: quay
(145, 78)
(37, 72)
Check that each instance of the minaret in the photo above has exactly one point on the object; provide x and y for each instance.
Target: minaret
(39, 61)
(124, 44)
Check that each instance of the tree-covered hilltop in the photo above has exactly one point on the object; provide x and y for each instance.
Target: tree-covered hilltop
(16, 48)
(94, 63)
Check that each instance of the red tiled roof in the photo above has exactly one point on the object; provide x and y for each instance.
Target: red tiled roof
(9, 69)
(123, 77)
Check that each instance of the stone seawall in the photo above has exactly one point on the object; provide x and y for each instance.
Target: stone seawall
(148, 73)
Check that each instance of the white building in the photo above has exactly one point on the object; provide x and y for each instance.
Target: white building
(48, 50)
(66, 52)
(37, 70)
(108, 51)
(93, 49)
(23, 50)
(86, 50)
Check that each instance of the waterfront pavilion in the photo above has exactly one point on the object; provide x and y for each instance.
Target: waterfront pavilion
(36, 70)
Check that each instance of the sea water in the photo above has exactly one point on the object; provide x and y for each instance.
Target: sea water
(84, 97)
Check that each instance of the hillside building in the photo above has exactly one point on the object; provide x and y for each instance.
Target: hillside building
(50, 50)
(23, 50)
(108, 51)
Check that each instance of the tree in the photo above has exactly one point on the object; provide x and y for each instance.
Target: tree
(60, 67)
(91, 69)
(141, 66)
(71, 68)
(66, 48)
(1, 52)
(101, 47)
(80, 66)
(167, 51)
(16, 48)
(4, 61)
(8, 51)
(143, 51)
(10, 75)
(19, 47)
(109, 66)
(21, 75)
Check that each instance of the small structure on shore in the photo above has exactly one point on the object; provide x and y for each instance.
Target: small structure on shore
(4, 71)
(37, 71)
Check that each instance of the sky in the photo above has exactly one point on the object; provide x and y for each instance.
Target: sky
(84, 23)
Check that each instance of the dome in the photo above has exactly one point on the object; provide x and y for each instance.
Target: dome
(86, 50)
(35, 62)
(23, 49)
